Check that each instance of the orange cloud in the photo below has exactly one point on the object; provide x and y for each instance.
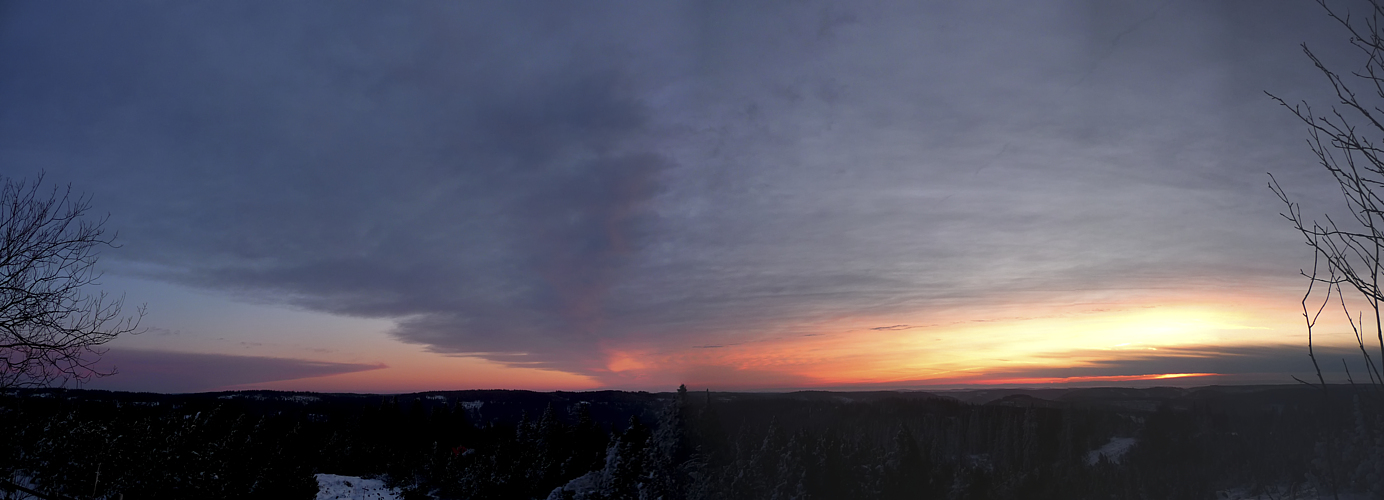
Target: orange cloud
(620, 361)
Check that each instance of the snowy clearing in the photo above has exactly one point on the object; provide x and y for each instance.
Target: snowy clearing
(334, 487)
(1112, 451)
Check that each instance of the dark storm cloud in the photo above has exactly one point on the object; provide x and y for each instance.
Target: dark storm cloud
(172, 372)
(530, 181)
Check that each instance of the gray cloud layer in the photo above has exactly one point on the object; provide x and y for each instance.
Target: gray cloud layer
(177, 372)
(529, 181)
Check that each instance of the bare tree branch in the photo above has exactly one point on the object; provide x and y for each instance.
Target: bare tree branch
(50, 331)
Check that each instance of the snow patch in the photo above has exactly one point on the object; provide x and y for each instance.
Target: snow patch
(1285, 493)
(581, 488)
(23, 482)
(472, 405)
(1112, 451)
(334, 487)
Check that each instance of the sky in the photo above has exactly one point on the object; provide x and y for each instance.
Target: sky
(392, 197)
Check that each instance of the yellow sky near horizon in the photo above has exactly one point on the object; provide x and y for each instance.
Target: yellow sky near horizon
(1016, 343)
(972, 345)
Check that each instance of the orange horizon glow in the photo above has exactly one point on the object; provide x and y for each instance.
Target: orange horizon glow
(1019, 343)
(983, 346)
(1074, 380)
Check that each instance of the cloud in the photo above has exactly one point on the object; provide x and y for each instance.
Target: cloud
(180, 372)
(533, 183)
(1208, 364)
(893, 328)
(1200, 359)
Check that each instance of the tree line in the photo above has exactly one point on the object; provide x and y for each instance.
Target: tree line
(696, 446)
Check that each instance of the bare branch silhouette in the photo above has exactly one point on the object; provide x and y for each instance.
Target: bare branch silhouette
(50, 330)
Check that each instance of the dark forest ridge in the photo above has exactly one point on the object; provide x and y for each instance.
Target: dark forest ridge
(1126, 398)
(1108, 442)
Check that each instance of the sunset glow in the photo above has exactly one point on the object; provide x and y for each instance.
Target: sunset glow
(683, 249)
(987, 348)
(1069, 380)
(736, 196)
(1086, 339)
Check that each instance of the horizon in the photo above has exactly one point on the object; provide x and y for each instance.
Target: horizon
(693, 392)
(621, 196)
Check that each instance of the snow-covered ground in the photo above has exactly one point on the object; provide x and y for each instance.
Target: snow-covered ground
(21, 481)
(1285, 493)
(334, 487)
(580, 488)
(329, 487)
(1112, 451)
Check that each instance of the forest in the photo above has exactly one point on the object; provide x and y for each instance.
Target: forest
(1163, 443)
